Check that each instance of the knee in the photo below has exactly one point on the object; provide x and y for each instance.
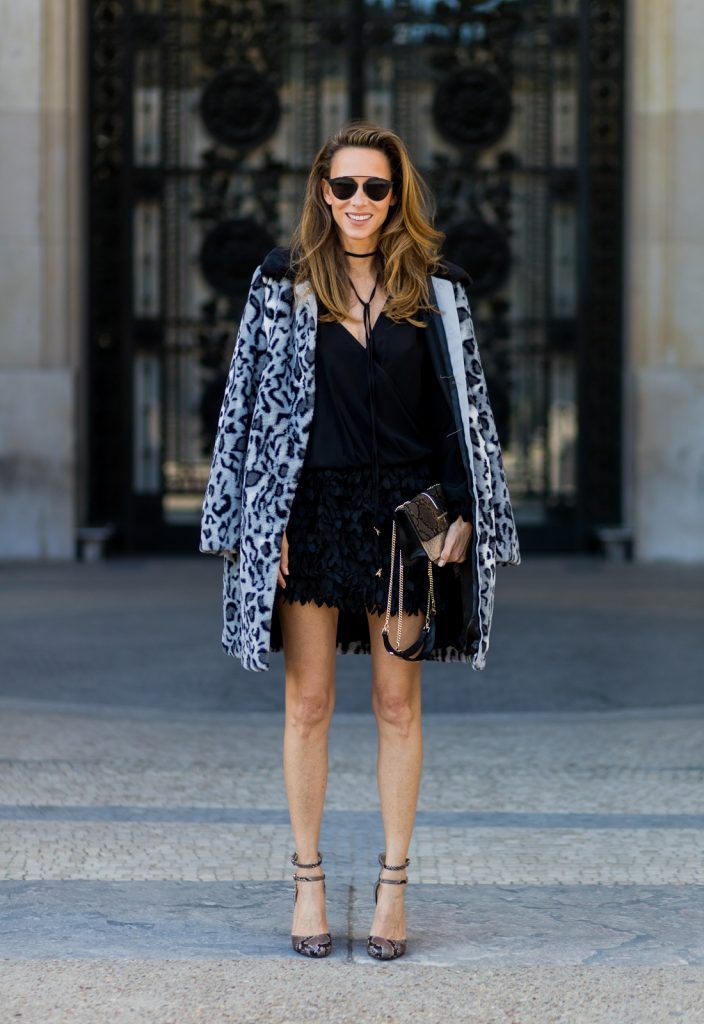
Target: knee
(308, 710)
(395, 710)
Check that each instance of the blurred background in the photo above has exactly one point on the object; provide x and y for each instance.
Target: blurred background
(152, 151)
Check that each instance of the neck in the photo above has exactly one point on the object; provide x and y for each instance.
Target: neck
(359, 252)
(363, 278)
(362, 266)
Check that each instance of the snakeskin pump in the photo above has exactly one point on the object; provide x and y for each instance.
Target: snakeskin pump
(377, 946)
(310, 945)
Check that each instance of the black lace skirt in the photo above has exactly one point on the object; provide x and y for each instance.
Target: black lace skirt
(336, 556)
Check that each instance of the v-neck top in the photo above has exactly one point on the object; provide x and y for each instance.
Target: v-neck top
(412, 416)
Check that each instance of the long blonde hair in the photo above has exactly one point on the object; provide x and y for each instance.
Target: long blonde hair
(408, 246)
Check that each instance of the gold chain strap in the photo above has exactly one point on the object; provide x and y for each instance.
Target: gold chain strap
(385, 628)
(431, 591)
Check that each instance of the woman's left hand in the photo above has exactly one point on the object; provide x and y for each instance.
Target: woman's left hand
(456, 542)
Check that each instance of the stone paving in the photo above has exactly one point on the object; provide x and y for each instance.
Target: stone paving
(557, 865)
(509, 800)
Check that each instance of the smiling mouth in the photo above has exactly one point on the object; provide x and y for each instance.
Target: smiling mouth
(359, 218)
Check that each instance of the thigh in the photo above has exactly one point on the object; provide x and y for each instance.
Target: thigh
(309, 636)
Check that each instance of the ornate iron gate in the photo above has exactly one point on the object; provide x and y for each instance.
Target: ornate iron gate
(204, 117)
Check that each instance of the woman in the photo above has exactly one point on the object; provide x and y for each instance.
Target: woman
(356, 382)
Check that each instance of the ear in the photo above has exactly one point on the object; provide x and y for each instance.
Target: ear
(327, 192)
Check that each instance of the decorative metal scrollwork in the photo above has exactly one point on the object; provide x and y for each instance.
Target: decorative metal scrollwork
(483, 250)
(472, 107)
(505, 199)
(240, 107)
(146, 30)
(602, 367)
(108, 14)
(230, 251)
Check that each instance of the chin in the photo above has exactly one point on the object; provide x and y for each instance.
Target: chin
(360, 235)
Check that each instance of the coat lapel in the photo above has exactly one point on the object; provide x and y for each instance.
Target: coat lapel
(445, 345)
(305, 331)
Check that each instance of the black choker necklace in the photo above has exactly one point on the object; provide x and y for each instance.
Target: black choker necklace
(361, 255)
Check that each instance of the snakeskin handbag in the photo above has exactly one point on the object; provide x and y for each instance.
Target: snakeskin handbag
(419, 529)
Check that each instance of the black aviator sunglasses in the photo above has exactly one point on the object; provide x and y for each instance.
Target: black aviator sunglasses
(375, 188)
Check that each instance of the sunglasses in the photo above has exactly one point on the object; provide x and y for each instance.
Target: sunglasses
(375, 189)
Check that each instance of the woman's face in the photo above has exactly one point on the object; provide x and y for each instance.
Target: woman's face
(359, 220)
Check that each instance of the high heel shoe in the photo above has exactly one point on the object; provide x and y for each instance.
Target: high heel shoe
(310, 945)
(377, 946)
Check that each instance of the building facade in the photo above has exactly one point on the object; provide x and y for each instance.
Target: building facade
(152, 151)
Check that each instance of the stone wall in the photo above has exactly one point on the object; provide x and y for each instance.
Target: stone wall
(41, 103)
(665, 280)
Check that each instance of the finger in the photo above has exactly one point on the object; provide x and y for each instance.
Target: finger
(460, 546)
(280, 579)
(454, 552)
(451, 557)
(445, 553)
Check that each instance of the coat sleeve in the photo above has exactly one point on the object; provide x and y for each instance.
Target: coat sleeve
(220, 519)
(507, 547)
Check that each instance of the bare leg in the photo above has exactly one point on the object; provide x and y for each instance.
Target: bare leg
(396, 704)
(308, 634)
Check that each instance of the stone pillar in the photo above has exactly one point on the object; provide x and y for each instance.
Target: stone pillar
(41, 188)
(665, 281)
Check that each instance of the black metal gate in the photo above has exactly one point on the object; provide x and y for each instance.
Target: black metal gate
(204, 118)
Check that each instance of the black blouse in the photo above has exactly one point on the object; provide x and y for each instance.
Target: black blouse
(413, 419)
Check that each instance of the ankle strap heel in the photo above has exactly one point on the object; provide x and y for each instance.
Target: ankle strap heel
(379, 947)
(393, 867)
(307, 878)
(310, 945)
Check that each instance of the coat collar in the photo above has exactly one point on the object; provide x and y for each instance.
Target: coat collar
(445, 336)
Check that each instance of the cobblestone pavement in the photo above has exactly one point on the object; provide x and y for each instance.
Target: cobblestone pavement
(506, 799)
(557, 865)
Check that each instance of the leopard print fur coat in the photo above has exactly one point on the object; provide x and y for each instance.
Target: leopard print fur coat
(260, 447)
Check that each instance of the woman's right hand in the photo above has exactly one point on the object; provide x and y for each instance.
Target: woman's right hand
(283, 564)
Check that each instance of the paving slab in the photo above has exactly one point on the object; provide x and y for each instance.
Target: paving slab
(468, 926)
(556, 864)
(571, 632)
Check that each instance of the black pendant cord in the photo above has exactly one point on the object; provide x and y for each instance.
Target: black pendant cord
(369, 336)
(360, 256)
